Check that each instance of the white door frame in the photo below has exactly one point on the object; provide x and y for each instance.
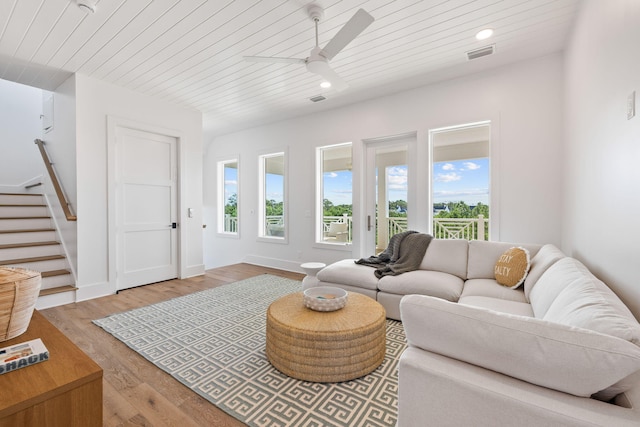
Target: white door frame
(113, 123)
(370, 146)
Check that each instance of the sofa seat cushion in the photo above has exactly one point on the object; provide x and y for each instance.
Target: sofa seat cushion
(491, 288)
(483, 256)
(585, 302)
(421, 282)
(498, 304)
(347, 272)
(564, 358)
(448, 256)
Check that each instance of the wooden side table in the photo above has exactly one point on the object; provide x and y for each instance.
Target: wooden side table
(333, 346)
(65, 390)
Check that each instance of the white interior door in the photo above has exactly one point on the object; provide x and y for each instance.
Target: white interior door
(146, 207)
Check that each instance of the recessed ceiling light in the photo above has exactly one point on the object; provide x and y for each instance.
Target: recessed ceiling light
(484, 34)
(325, 85)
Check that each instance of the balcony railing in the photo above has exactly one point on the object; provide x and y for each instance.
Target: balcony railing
(443, 228)
(230, 224)
(461, 228)
(326, 224)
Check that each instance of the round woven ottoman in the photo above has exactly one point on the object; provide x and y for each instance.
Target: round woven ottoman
(326, 347)
(19, 290)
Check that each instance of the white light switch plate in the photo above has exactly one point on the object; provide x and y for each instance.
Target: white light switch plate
(631, 105)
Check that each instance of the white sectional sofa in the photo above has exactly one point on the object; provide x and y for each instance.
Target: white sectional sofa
(559, 350)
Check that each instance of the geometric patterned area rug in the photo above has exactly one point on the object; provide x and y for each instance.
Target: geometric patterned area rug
(213, 342)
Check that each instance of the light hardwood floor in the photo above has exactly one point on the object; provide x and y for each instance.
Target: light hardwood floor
(136, 393)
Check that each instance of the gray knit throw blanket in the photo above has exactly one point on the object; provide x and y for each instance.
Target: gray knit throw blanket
(404, 253)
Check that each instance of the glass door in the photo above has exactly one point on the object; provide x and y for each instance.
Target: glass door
(387, 191)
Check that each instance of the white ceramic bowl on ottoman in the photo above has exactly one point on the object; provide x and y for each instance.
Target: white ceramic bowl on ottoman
(325, 298)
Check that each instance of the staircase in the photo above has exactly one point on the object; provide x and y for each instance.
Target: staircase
(28, 240)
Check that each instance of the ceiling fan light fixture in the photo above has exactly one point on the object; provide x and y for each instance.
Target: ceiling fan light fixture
(87, 6)
(484, 34)
(317, 67)
(318, 60)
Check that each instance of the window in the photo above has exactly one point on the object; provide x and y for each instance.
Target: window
(228, 197)
(273, 200)
(461, 181)
(334, 190)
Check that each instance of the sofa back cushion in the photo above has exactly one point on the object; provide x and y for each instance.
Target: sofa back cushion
(447, 256)
(568, 293)
(572, 360)
(545, 258)
(483, 256)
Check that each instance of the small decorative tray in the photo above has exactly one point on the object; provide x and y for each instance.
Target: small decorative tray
(325, 298)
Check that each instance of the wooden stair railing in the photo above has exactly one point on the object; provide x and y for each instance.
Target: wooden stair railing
(56, 184)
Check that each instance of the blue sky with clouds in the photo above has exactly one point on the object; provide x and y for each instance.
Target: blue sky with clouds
(454, 181)
(465, 180)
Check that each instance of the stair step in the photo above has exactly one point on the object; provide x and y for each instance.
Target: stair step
(20, 250)
(28, 244)
(23, 211)
(53, 278)
(57, 290)
(53, 273)
(11, 223)
(15, 205)
(27, 230)
(8, 237)
(25, 217)
(34, 259)
(17, 198)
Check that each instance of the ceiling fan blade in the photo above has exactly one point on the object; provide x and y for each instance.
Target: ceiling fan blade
(334, 78)
(274, 59)
(354, 26)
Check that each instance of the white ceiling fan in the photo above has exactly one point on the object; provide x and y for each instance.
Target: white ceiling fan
(318, 60)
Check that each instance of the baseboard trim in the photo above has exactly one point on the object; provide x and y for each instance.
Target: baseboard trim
(193, 270)
(280, 264)
(92, 291)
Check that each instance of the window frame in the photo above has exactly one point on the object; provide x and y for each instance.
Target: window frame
(221, 197)
(319, 200)
(492, 158)
(262, 197)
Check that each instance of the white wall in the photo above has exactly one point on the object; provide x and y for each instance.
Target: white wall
(60, 143)
(524, 101)
(20, 125)
(603, 147)
(95, 101)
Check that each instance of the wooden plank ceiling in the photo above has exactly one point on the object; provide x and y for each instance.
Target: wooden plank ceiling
(190, 52)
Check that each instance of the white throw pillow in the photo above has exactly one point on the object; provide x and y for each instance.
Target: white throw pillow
(572, 360)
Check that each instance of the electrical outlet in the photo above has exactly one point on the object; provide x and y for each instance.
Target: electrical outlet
(631, 105)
